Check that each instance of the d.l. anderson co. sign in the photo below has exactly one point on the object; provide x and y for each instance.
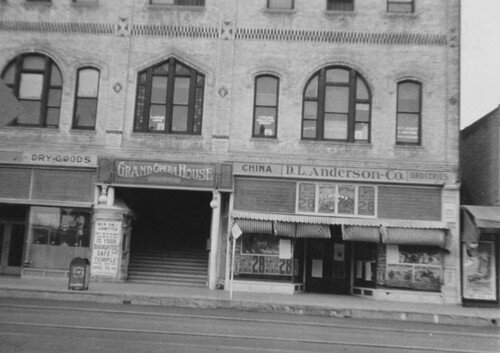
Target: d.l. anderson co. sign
(164, 173)
(344, 173)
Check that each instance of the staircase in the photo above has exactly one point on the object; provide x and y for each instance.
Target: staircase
(181, 268)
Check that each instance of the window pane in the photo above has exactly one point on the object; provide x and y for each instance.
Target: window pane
(265, 122)
(53, 117)
(10, 74)
(409, 97)
(312, 88)
(309, 129)
(31, 86)
(161, 69)
(181, 90)
(346, 199)
(361, 132)
(337, 99)
(408, 128)
(307, 197)
(159, 89)
(54, 98)
(340, 5)
(310, 110)
(361, 90)
(30, 113)
(157, 118)
(399, 7)
(88, 83)
(266, 91)
(34, 62)
(366, 201)
(179, 119)
(280, 4)
(181, 69)
(55, 76)
(362, 112)
(335, 126)
(337, 75)
(85, 112)
(327, 197)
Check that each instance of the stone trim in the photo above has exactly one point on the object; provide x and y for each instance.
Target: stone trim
(61, 27)
(174, 31)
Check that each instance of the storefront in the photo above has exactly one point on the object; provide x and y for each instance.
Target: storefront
(480, 251)
(386, 234)
(179, 210)
(46, 211)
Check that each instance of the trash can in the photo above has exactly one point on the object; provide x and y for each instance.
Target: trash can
(79, 274)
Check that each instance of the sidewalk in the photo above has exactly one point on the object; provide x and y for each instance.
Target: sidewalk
(307, 303)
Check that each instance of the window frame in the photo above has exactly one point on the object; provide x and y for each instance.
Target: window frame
(49, 63)
(354, 75)
(74, 125)
(280, 8)
(143, 127)
(344, 8)
(179, 3)
(390, 2)
(276, 106)
(420, 91)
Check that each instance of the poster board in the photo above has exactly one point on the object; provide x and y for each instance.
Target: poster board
(106, 248)
(479, 273)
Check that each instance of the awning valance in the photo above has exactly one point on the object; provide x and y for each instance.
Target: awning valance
(364, 234)
(313, 231)
(254, 226)
(476, 218)
(412, 236)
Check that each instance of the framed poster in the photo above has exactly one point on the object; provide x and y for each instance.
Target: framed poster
(479, 275)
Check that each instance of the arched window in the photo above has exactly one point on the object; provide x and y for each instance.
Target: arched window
(169, 99)
(87, 90)
(265, 117)
(35, 80)
(336, 106)
(408, 125)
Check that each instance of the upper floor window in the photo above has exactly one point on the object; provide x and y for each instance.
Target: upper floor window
(408, 129)
(403, 6)
(336, 106)
(265, 117)
(280, 4)
(169, 99)
(87, 89)
(36, 81)
(178, 2)
(340, 5)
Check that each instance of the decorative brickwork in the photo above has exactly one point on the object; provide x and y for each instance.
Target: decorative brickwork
(61, 27)
(174, 31)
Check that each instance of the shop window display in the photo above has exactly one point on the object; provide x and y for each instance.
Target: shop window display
(60, 226)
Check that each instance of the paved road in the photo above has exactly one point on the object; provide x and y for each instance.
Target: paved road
(53, 326)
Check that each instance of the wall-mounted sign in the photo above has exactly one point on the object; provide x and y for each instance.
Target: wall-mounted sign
(164, 173)
(479, 272)
(402, 176)
(106, 248)
(49, 158)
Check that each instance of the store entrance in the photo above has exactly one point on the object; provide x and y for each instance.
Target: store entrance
(327, 266)
(169, 234)
(12, 232)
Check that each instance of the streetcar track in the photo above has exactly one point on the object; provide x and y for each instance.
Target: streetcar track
(240, 337)
(269, 321)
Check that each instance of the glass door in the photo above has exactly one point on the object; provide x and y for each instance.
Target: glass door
(11, 247)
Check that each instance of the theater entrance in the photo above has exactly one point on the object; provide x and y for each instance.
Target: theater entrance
(169, 235)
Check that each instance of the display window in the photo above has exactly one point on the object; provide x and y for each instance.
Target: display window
(414, 267)
(60, 226)
(365, 264)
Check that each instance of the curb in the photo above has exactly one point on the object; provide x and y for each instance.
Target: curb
(208, 303)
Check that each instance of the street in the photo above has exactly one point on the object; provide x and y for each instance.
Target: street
(58, 326)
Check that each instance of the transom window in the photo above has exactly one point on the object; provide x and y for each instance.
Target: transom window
(169, 99)
(265, 118)
(178, 2)
(340, 5)
(280, 4)
(336, 199)
(36, 81)
(87, 89)
(336, 106)
(408, 129)
(402, 6)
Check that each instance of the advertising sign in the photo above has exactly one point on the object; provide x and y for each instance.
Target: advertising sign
(106, 250)
(479, 273)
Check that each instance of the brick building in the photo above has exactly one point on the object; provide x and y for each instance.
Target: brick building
(147, 132)
(480, 231)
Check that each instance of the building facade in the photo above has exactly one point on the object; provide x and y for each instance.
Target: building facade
(319, 138)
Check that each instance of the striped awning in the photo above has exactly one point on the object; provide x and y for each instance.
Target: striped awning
(313, 231)
(255, 226)
(412, 236)
(285, 229)
(357, 233)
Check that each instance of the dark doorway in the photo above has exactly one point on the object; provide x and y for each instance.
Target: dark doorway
(168, 220)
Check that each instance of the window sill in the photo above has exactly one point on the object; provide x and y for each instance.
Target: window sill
(400, 15)
(279, 11)
(364, 145)
(85, 4)
(166, 7)
(273, 140)
(50, 130)
(336, 13)
(409, 147)
(83, 131)
(34, 4)
(163, 136)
